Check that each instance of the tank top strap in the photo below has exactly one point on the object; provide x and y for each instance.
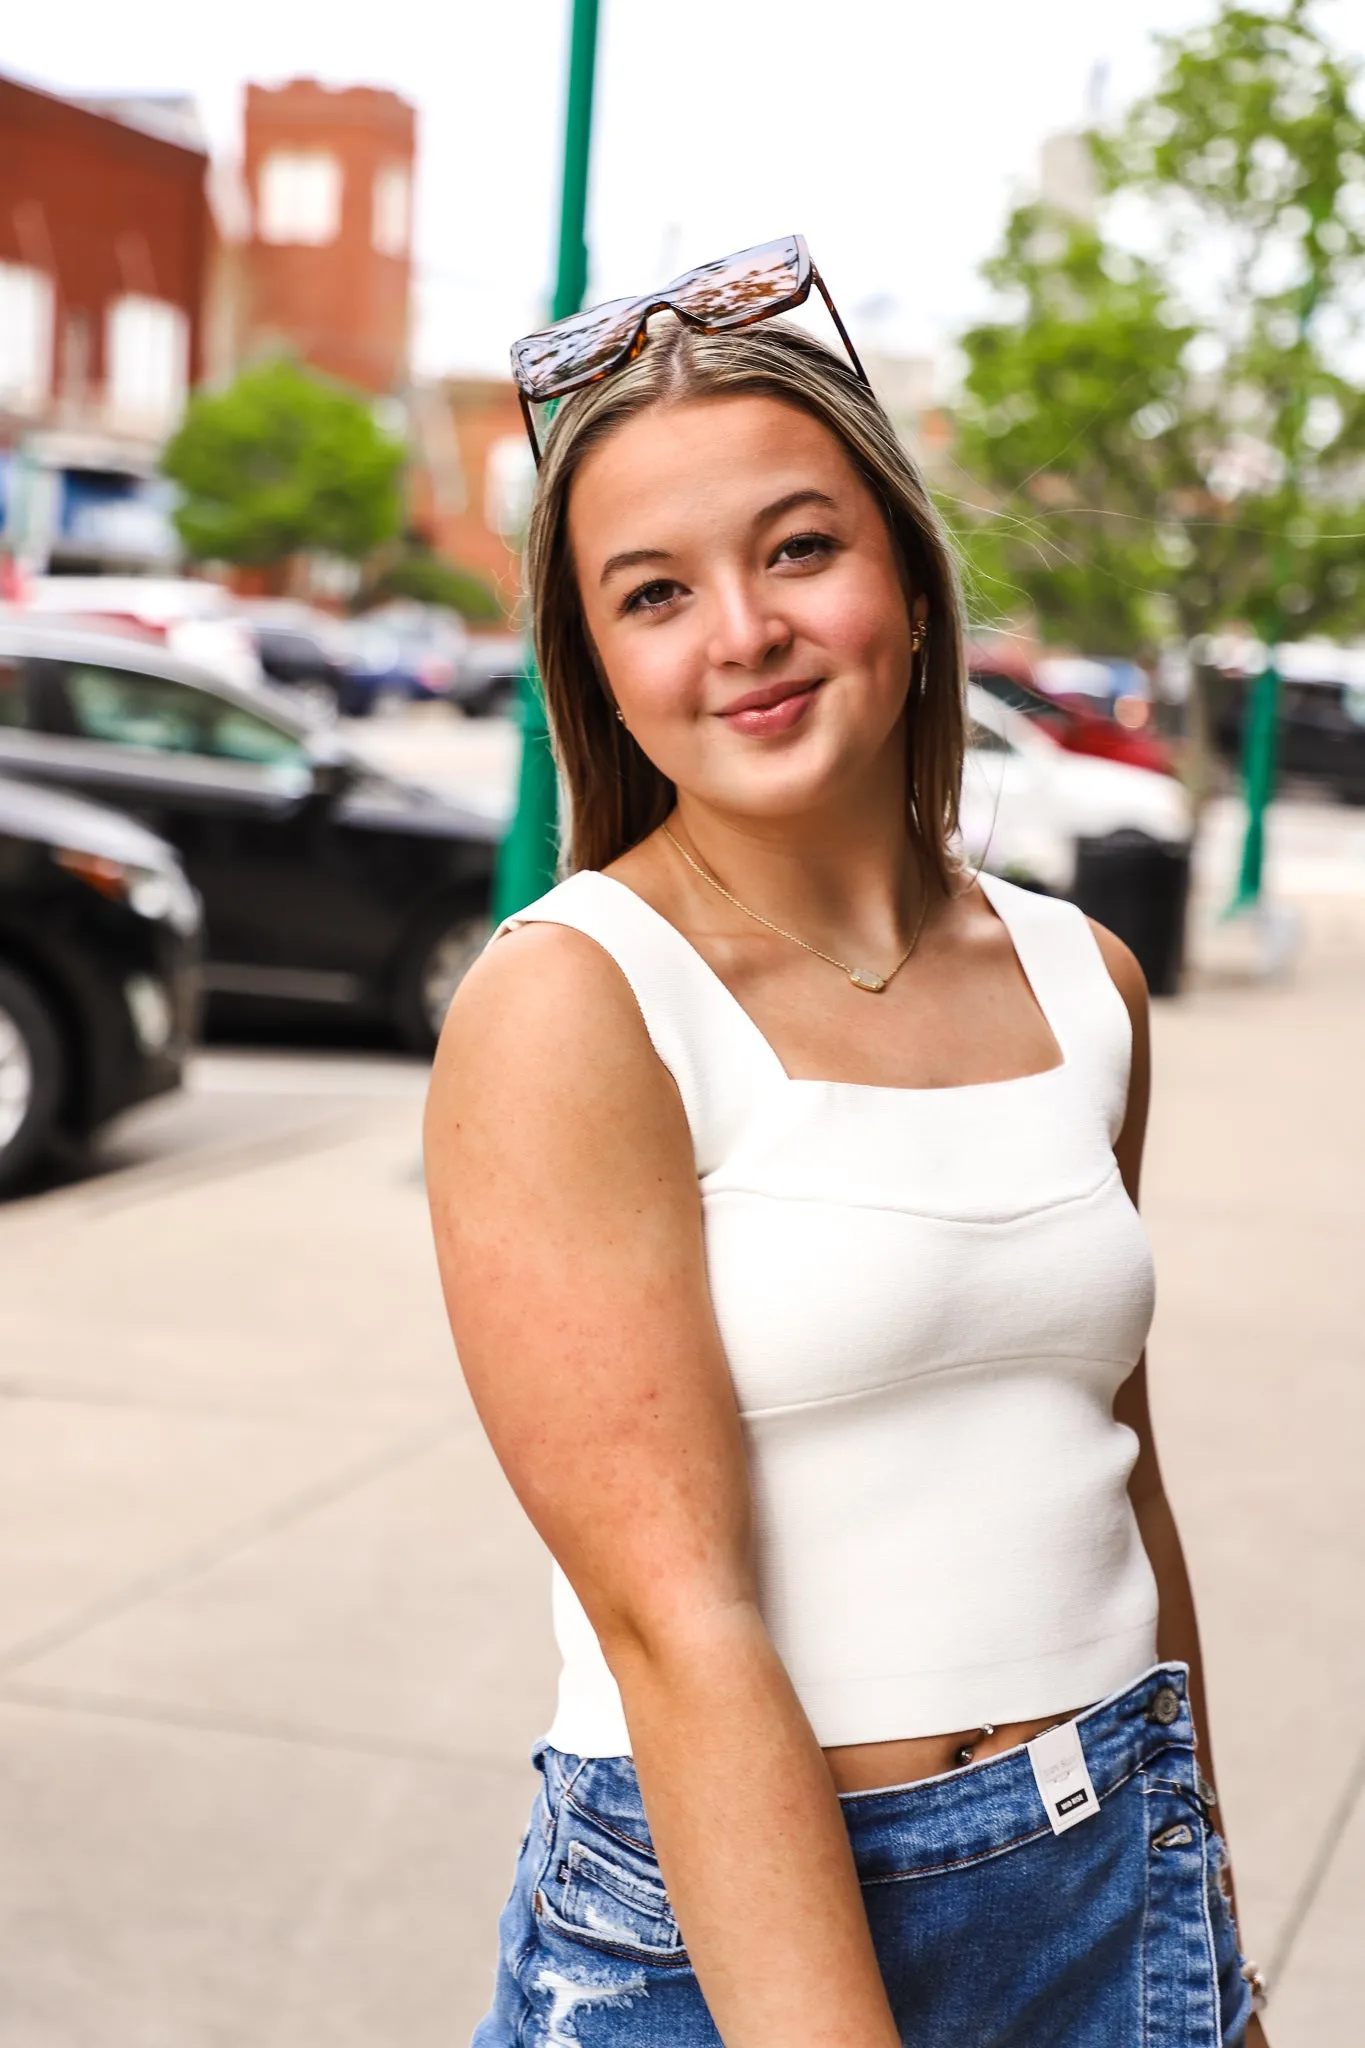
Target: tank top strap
(717, 1055)
(1074, 989)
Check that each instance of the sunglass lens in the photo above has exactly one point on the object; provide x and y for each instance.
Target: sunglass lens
(574, 351)
(737, 289)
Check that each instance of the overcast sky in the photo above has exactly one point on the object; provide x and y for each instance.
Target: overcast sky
(894, 134)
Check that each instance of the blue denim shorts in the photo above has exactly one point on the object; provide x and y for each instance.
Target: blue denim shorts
(991, 1931)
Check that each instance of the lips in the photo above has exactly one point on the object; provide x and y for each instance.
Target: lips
(774, 709)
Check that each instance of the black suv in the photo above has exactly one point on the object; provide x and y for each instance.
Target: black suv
(99, 954)
(1320, 733)
(326, 886)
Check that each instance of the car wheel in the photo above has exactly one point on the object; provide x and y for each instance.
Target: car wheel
(31, 1077)
(436, 966)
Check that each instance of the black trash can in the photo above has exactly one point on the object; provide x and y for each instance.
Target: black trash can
(1139, 887)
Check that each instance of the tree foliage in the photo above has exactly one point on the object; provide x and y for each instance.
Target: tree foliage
(281, 462)
(417, 571)
(1169, 428)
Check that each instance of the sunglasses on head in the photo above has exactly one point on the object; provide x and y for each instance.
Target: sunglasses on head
(735, 291)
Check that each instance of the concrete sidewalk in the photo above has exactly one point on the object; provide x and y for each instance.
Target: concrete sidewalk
(274, 1638)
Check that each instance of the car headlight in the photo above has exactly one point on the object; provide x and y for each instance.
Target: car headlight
(162, 895)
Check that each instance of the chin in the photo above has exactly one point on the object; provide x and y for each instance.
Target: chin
(784, 788)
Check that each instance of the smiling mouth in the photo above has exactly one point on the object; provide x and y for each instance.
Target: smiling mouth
(777, 704)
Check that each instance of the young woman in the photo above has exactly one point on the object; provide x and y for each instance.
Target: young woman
(783, 1175)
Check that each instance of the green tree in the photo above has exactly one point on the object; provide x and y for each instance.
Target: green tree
(1171, 440)
(415, 570)
(280, 462)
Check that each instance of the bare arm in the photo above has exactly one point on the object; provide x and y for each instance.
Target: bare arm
(568, 1229)
(1177, 1622)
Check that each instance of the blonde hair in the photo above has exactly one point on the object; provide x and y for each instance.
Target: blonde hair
(616, 795)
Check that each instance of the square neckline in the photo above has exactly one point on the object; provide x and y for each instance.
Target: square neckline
(987, 884)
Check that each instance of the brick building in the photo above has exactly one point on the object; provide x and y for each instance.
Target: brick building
(132, 270)
(103, 229)
(103, 252)
(327, 270)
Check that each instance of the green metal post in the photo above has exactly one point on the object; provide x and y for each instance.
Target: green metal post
(571, 280)
(1258, 779)
(529, 854)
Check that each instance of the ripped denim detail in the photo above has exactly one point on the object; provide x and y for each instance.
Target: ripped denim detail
(558, 1995)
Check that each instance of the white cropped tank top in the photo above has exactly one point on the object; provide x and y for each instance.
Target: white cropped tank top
(928, 1299)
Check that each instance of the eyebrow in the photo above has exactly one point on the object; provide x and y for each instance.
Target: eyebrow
(633, 558)
(790, 503)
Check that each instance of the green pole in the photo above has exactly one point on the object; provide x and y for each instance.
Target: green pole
(571, 280)
(1258, 779)
(528, 856)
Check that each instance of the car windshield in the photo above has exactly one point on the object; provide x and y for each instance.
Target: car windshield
(1020, 697)
(375, 645)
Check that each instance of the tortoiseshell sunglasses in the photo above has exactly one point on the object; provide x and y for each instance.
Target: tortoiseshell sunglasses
(734, 291)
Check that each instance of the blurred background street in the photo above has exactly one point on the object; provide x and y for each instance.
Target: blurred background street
(274, 1636)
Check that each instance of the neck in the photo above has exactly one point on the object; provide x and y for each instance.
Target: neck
(842, 877)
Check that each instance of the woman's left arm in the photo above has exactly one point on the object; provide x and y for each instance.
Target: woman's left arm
(1177, 1624)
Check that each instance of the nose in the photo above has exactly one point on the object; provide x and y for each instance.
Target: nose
(745, 630)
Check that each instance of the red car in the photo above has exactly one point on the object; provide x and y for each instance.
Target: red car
(1075, 726)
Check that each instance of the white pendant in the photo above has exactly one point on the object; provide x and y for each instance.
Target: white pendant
(873, 983)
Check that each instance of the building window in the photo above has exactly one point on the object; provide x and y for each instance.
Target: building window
(147, 353)
(391, 224)
(299, 197)
(25, 337)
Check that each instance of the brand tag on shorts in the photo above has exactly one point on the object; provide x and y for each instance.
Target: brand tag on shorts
(1063, 1780)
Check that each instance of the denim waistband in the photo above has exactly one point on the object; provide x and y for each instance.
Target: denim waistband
(961, 1817)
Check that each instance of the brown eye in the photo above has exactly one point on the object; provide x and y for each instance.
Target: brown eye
(805, 547)
(651, 597)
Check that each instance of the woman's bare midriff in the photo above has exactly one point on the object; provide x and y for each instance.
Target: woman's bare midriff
(867, 1766)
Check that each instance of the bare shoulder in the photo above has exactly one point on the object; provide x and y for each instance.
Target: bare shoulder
(542, 978)
(1125, 973)
(544, 1030)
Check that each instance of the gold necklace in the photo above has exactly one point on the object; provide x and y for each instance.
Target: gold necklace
(872, 984)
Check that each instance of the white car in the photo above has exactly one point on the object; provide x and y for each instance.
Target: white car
(1027, 803)
(188, 615)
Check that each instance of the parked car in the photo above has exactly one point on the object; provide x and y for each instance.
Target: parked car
(326, 885)
(1113, 838)
(99, 970)
(1320, 733)
(194, 618)
(488, 674)
(307, 654)
(1026, 803)
(404, 654)
(1081, 724)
